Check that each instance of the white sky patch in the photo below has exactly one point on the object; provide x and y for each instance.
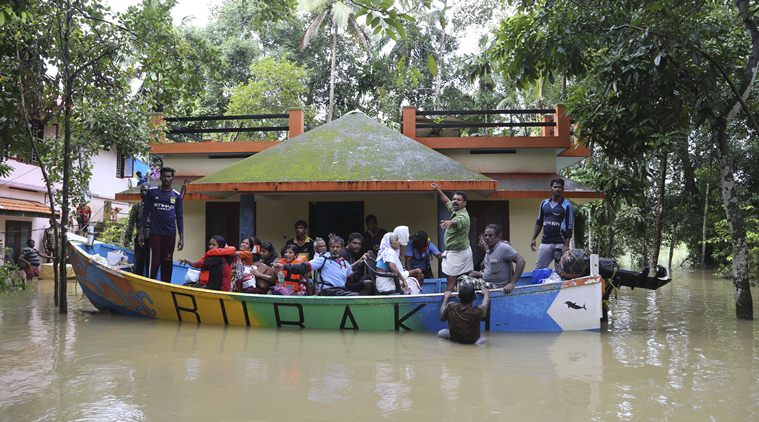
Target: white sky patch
(192, 12)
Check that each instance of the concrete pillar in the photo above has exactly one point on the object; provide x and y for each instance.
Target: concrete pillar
(296, 122)
(409, 121)
(247, 215)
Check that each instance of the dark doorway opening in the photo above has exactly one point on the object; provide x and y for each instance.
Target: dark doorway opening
(223, 218)
(17, 233)
(482, 213)
(340, 218)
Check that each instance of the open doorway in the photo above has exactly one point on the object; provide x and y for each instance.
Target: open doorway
(340, 218)
(482, 213)
(17, 233)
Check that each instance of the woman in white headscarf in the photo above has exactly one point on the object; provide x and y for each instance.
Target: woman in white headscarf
(389, 261)
(403, 236)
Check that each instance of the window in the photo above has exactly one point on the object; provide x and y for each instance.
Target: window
(124, 166)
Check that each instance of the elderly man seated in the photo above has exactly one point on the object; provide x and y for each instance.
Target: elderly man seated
(499, 257)
(333, 269)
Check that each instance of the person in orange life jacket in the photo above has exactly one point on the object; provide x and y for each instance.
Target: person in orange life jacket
(292, 281)
(215, 265)
(252, 276)
(334, 269)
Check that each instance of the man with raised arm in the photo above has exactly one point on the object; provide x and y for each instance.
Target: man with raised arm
(164, 206)
(457, 258)
(556, 219)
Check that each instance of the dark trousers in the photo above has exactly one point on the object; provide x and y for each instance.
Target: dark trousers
(141, 254)
(162, 254)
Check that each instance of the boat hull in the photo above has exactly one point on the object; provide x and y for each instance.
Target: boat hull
(570, 305)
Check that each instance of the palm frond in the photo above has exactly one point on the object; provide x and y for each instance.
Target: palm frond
(358, 32)
(340, 14)
(313, 29)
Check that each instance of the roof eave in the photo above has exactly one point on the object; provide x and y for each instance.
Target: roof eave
(343, 186)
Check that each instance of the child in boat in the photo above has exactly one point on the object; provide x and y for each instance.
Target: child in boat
(463, 318)
(215, 265)
(293, 282)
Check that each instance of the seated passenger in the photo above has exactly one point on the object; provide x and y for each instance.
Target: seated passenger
(293, 282)
(419, 253)
(268, 254)
(464, 319)
(215, 265)
(320, 246)
(499, 257)
(257, 278)
(360, 281)
(334, 270)
(245, 252)
(389, 261)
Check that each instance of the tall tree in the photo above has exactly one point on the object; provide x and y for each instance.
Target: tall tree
(343, 18)
(644, 74)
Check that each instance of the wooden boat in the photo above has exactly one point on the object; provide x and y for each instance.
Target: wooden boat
(563, 306)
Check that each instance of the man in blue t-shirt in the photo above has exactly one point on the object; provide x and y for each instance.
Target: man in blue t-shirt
(164, 206)
(556, 219)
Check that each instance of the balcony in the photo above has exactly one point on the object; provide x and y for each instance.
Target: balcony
(184, 135)
(517, 128)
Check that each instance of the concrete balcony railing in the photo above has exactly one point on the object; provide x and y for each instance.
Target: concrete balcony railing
(527, 128)
(182, 135)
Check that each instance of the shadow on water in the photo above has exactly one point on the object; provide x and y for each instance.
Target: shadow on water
(676, 353)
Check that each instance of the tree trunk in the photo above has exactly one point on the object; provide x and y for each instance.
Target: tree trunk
(672, 243)
(704, 224)
(656, 238)
(333, 59)
(440, 52)
(68, 104)
(45, 177)
(744, 304)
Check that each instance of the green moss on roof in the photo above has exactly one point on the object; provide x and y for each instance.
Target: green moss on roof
(351, 148)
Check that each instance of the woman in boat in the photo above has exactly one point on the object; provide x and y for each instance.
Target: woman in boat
(389, 261)
(215, 265)
(245, 252)
(293, 282)
(268, 254)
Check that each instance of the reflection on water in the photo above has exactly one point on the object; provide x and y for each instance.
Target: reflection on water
(673, 354)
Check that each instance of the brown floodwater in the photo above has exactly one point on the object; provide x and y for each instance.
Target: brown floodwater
(675, 354)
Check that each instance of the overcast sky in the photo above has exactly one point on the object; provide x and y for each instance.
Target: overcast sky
(197, 10)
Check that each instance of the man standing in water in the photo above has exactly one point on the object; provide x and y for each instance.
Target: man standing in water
(463, 318)
(556, 218)
(457, 258)
(164, 207)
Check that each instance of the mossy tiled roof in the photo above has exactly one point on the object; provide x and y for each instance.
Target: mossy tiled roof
(353, 148)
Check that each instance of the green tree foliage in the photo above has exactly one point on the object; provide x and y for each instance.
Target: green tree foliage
(275, 86)
(648, 80)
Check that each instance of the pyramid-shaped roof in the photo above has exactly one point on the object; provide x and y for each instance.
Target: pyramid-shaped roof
(352, 153)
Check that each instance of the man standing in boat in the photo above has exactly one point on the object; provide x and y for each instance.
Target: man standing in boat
(132, 232)
(164, 207)
(556, 219)
(457, 258)
(304, 245)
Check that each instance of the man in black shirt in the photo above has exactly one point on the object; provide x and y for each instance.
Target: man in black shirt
(304, 245)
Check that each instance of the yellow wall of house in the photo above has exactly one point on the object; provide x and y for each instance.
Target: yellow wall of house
(276, 214)
(198, 165)
(521, 224)
(537, 160)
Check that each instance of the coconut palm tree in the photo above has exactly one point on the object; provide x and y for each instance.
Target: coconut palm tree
(343, 18)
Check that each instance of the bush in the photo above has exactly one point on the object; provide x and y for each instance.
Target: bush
(10, 276)
(113, 233)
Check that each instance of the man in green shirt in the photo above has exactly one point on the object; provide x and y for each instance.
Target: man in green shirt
(457, 258)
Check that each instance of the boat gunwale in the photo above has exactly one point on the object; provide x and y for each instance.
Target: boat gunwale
(424, 297)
